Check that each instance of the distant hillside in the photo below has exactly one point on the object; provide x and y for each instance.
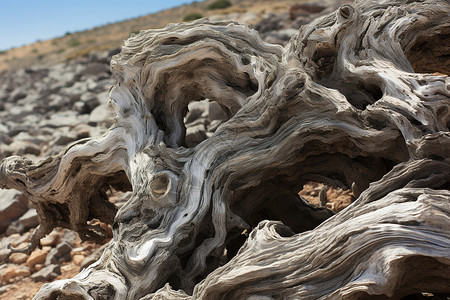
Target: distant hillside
(112, 35)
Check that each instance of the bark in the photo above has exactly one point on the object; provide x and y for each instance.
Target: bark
(359, 99)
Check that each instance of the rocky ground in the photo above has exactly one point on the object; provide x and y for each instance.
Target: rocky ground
(45, 108)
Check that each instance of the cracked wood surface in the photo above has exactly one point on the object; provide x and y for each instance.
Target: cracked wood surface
(346, 103)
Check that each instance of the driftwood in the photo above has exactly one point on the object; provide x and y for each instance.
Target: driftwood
(357, 99)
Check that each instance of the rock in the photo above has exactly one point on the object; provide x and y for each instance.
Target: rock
(4, 252)
(196, 110)
(25, 136)
(37, 257)
(100, 114)
(15, 227)
(78, 88)
(195, 135)
(113, 52)
(18, 147)
(270, 22)
(93, 257)
(87, 103)
(13, 204)
(103, 97)
(78, 259)
(29, 219)
(5, 288)
(18, 95)
(4, 242)
(50, 239)
(59, 254)
(64, 139)
(56, 101)
(96, 68)
(47, 273)
(13, 271)
(286, 34)
(215, 112)
(302, 9)
(17, 128)
(100, 56)
(3, 128)
(60, 119)
(70, 237)
(212, 127)
(60, 75)
(24, 238)
(18, 258)
(83, 131)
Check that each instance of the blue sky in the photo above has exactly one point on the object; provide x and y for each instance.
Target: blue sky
(26, 21)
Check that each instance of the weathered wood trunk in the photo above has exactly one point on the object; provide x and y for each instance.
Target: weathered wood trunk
(346, 103)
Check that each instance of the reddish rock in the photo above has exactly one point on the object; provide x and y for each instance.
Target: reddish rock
(13, 271)
(38, 267)
(37, 257)
(18, 258)
(78, 259)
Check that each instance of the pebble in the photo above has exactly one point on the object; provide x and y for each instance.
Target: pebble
(15, 227)
(13, 204)
(18, 258)
(37, 257)
(29, 219)
(60, 253)
(50, 239)
(12, 271)
(93, 257)
(78, 259)
(47, 273)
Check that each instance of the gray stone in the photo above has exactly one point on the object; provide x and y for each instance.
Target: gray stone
(196, 110)
(60, 119)
(15, 227)
(5, 288)
(95, 68)
(3, 128)
(15, 129)
(59, 254)
(29, 219)
(87, 103)
(20, 239)
(25, 136)
(4, 252)
(103, 97)
(57, 100)
(212, 127)
(195, 135)
(79, 87)
(70, 237)
(215, 112)
(100, 114)
(88, 97)
(13, 204)
(93, 257)
(18, 147)
(47, 273)
(63, 137)
(83, 131)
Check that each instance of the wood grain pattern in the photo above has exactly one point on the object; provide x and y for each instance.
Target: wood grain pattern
(342, 104)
